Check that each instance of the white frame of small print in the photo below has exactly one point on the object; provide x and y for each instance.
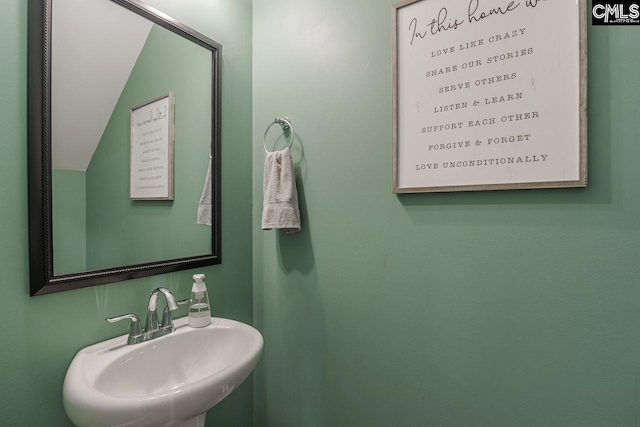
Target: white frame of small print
(489, 95)
(152, 149)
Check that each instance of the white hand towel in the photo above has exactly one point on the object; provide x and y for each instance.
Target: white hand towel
(204, 207)
(280, 208)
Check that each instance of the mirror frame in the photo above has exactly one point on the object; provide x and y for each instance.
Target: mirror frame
(42, 278)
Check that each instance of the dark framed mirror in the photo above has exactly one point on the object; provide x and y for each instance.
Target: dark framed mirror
(124, 144)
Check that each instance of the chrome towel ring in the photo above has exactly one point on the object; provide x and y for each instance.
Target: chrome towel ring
(285, 123)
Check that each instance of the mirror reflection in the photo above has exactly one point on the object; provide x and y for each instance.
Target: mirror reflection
(107, 60)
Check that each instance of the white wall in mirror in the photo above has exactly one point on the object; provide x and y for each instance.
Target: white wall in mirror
(91, 63)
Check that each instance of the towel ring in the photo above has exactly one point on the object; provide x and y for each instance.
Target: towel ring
(285, 123)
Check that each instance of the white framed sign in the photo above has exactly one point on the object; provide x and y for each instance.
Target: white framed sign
(152, 147)
(489, 95)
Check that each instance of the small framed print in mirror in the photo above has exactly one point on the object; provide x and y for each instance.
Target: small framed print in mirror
(152, 149)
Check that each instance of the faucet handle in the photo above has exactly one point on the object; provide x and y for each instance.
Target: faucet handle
(167, 318)
(135, 331)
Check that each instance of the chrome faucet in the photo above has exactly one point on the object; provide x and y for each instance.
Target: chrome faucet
(153, 329)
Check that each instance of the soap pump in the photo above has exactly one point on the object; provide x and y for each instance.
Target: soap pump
(199, 308)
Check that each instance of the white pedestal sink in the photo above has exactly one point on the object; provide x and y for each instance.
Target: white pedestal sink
(169, 381)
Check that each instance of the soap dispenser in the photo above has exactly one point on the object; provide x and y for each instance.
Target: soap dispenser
(199, 308)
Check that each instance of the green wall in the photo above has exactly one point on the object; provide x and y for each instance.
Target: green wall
(42, 334)
(121, 231)
(69, 221)
(516, 308)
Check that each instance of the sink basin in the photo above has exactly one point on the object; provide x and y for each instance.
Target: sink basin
(170, 381)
